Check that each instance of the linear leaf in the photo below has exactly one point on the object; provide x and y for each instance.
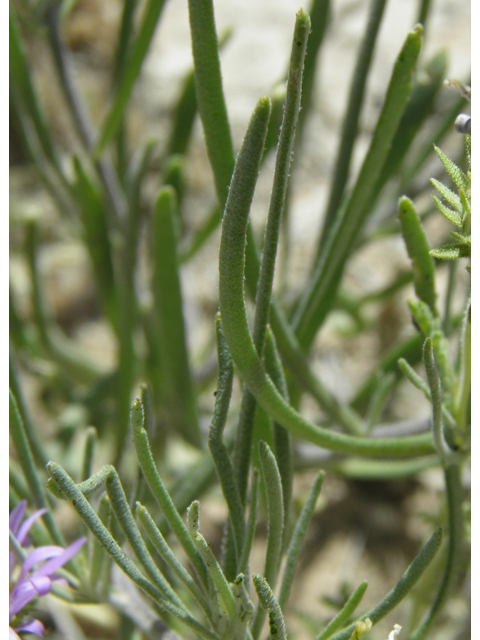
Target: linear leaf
(451, 252)
(451, 215)
(456, 174)
(131, 71)
(448, 194)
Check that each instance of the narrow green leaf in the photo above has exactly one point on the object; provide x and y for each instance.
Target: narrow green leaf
(276, 514)
(244, 354)
(269, 603)
(93, 522)
(240, 197)
(252, 521)
(455, 552)
(448, 195)
(179, 392)
(245, 607)
(318, 295)
(352, 116)
(456, 174)
(446, 453)
(96, 234)
(132, 66)
(345, 613)
(452, 216)
(127, 522)
(297, 539)
(159, 492)
(319, 12)
(280, 178)
(218, 577)
(418, 251)
(210, 98)
(421, 104)
(451, 252)
(217, 447)
(25, 458)
(403, 586)
(21, 77)
(185, 110)
(98, 559)
(168, 556)
(426, 322)
(461, 237)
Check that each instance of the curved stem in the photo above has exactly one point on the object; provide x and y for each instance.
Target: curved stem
(454, 553)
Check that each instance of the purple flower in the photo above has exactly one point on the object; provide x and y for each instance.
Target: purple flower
(32, 582)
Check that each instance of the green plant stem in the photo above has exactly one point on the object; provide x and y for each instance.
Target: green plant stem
(455, 549)
(351, 119)
(32, 147)
(464, 383)
(379, 399)
(88, 515)
(319, 294)
(345, 613)
(446, 453)
(217, 447)
(25, 459)
(403, 586)
(297, 539)
(417, 381)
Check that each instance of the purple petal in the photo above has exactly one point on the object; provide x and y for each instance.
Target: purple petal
(32, 626)
(22, 534)
(52, 565)
(20, 596)
(16, 516)
(42, 584)
(37, 555)
(12, 635)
